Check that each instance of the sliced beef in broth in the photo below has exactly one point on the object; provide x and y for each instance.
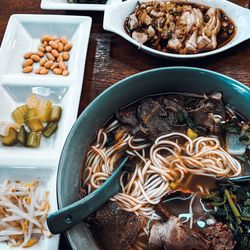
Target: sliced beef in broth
(175, 236)
(115, 228)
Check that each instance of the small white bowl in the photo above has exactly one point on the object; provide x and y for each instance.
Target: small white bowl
(115, 16)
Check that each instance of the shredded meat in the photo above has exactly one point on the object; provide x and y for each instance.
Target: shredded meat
(175, 236)
(150, 118)
(177, 27)
(153, 117)
(220, 236)
(140, 37)
(207, 40)
(208, 111)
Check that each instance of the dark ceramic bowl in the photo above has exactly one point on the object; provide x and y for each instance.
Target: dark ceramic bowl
(156, 81)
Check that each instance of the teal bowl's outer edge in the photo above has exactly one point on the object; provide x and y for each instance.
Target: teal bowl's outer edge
(119, 87)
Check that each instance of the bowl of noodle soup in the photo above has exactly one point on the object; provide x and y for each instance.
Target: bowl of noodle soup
(90, 129)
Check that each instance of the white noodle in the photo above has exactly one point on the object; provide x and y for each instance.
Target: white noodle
(168, 161)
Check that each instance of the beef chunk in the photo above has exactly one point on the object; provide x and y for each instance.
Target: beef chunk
(220, 236)
(175, 236)
(115, 228)
(173, 102)
(162, 210)
(205, 114)
(128, 116)
(153, 118)
(150, 118)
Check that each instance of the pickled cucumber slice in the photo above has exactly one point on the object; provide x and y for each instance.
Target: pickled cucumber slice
(22, 135)
(50, 129)
(11, 138)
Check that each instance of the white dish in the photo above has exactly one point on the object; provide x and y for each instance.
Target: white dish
(22, 35)
(47, 178)
(115, 16)
(63, 5)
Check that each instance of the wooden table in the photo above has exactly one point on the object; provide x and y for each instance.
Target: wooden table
(111, 58)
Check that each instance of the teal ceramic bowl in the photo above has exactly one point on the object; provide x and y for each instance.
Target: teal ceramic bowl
(156, 81)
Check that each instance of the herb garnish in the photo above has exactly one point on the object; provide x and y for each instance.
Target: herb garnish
(231, 203)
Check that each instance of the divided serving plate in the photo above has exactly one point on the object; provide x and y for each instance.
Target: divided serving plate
(64, 5)
(23, 34)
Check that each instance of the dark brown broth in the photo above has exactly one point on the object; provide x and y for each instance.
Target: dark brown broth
(180, 208)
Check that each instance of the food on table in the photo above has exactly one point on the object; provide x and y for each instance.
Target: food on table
(178, 153)
(52, 54)
(35, 118)
(231, 205)
(179, 27)
(23, 212)
(88, 1)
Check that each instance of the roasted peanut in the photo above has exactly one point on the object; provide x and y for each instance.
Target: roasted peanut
(60, 47)
(54, 52)
(67, 47)
(46, 38)
(28, 55)
(65, 73)
(55, 65)
(44, 71)
(43, 61)
(53, 44)
(27, 62)
(65, 56)
(41, 48)
(35, 58)
(59, 58)
(48, 48)
(45, 43)
(62, 66)
(64, 40)
(53, 38)
(39, 53)
(50, 57)
(48, 64)
(27, 69)
(57, 71)
(37, 70)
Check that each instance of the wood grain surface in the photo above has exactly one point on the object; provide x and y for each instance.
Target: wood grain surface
(111, 58)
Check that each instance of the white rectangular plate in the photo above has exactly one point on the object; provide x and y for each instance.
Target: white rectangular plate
(63, 5)
(22, 34)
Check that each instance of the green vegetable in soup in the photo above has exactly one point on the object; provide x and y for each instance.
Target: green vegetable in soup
(231, 127)
(231, 204)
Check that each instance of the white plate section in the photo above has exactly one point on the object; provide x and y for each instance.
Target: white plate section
(46, 178)
(22, 34)
(64, 5)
